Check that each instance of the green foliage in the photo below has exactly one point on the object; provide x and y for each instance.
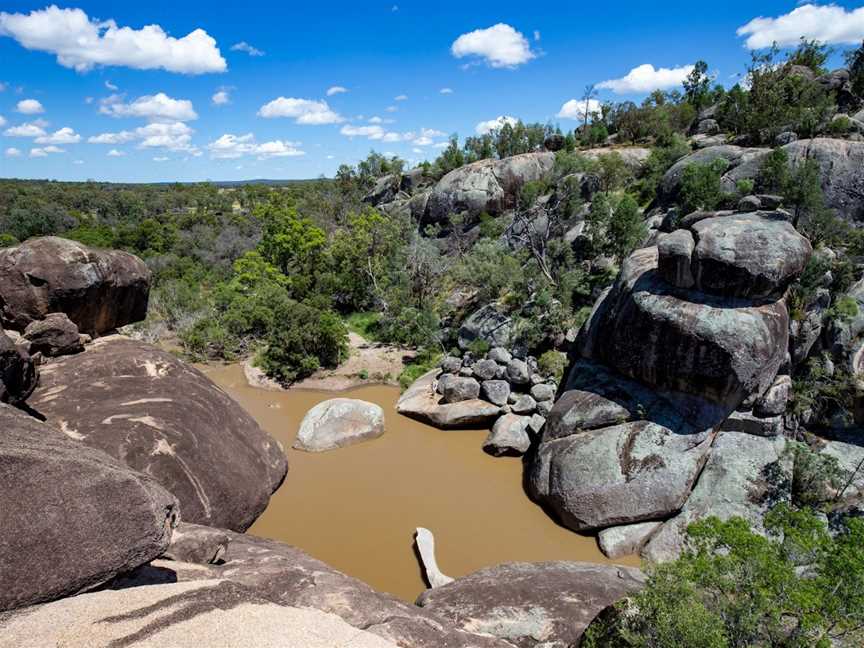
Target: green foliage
(490, 267)
(479, 348)
(697, 86)
(426, 360)
(701, 186)
(552, 363)
(658, 163)
(7, 240)
(844, 308)
(823, 391)
(614, 225)
(810, 54)
(774, 175)
(745, 186)
(364, 323)
(530, 192)
(816, 477)
(855, 63)
(734, 588)
(840, 125)
(614, 172)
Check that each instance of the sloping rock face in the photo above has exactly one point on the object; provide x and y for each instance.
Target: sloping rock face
(546, 605)
(71, 516)
(490, 186)
(421, 401)
(18, 375)
(285, 576)
(164, 418)
(214, 613)
(99, 290)
(745, 476)
(339, 422)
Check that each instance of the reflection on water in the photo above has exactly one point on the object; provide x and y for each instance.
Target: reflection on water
(356, 508)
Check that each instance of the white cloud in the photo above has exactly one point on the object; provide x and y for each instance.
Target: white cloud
(493, 124)
(65, 135)
(13, 152)
(500, 46)
(645, 78)
(334, 90)
(45, 151)
(160, 158)
(378, 120)
(446, 91)
(575, 109)
(2, 121)
(77, 161)
(372, 132)
(391, 109)
(111, 86)
(29, 107)
(115, 153)
(826, 23)
(230, 146)
(537, 35)
(243, 46)
(175, 136)
(2, 87)
(82, 43)
(304, 111)
(32, 129)
(221, 97)
(158, 107)
(425, 138)
(402, 97)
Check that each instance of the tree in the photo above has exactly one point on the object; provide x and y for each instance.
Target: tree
(697, 86)
(855, 63)
(701, 186)
(614, 225)
(290, 241)
(587, 96)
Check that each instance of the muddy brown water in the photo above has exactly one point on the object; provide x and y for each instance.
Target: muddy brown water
(356, 508)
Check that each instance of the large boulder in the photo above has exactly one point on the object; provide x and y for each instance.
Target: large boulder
(533, 605)
(719, 348)
(55, 335)
(490, 186)
(743, 163)
(99, 290)
(339, 422)
(384, 190)
(71, 516)
(745, 476)
(18, 375)
(747, 255)
(489, 324)
(421, 401)
(213, 613)
(163, 417)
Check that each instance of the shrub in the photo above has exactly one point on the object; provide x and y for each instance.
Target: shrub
(479, 348)
(840, 125)
(552, 363)
(614, 225)
(423, 362)
(701, 186)
(745, 186)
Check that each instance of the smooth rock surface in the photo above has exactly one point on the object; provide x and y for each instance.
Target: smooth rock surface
(196, 543)
(53, 336)
(487, 324)
(99, 290)
(532, 605)
(163, 417)
(675, 252)
(339, 422)
(616, 542)
(509, 436)
(495, 391)
(460, 388)
(71, 516)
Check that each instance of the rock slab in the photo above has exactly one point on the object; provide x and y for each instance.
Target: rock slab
(339, 422)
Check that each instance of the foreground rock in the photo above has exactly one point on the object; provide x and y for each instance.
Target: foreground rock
(422, 402)
(546, 605)
(339, 422)
(71, 516)
(285, 576)
(54, 336)
(162, 417)
(99, 290)
(212, 613)
(18, 376)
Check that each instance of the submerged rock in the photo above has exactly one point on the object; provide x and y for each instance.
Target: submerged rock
(425, 543)
(163, 417)
(99, 290)
(71, 516)
(339, 422)
(532, 605)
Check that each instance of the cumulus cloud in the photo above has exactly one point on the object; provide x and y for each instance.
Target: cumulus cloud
(82, 43)
(32, 129)
(29, 107)
(221, 97)
(243, 46)
(645, 78)
(230, 146)
(111, 86)
(158, 107)
(65, 135)
(500, 46)
(426, 135)
(160, 158)
(115, 153)
(303, 111)
(45, 151)
(378, 133)
(334, 90)
(446, 91)
(391, 109)
(401, 97)
(575, 109)
(13, 152)
(494, 124)
(175, 136)
(378, 120)
(826, 23)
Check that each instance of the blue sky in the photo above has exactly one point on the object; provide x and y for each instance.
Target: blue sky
(148, 97)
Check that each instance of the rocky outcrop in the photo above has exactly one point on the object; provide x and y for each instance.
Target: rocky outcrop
(99, 290)
(196, 543)
(53, 336)
(339, 422)
(490, 186)
(487, 324)
(18, 375)
(745, 476)
(71, 516)
(509, 436)
(743, 164)
(422, 401)
(532, 605)
(164, 418)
